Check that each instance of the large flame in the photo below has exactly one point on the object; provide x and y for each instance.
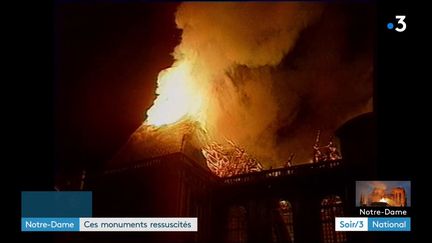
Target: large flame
(178, 98)
(228, 77)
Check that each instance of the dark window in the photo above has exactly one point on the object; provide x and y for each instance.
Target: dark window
(237, 224)
(283, 228)
(331, 207)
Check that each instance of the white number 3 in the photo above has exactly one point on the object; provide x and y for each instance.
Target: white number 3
(401, 22)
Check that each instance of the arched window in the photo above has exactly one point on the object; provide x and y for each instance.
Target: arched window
(285, 211)
(237, 224)
(331, 207)
(283, 228)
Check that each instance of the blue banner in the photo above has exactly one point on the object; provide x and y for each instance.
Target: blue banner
(389, 224)
(50, 224)
(56, 204)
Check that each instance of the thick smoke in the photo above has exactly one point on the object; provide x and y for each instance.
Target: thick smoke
(275, 73)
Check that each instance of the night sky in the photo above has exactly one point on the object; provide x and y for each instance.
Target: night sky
(107, 60)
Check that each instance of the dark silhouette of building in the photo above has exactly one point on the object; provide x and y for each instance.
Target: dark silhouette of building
(291, 204)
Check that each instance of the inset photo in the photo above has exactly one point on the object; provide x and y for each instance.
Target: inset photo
(383, 193)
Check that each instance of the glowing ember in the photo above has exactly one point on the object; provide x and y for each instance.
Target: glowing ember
(225, 162)
(325, 153)
(177, 96)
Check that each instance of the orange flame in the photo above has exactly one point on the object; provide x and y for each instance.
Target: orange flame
(178, 97)
(383, 200)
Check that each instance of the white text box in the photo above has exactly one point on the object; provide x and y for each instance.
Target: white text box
(139, 224)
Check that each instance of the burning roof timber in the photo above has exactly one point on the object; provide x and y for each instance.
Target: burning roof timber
(186, 137)
(226, 161)
(149, 142)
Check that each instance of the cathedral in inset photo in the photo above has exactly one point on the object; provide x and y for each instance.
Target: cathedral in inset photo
(383, 193)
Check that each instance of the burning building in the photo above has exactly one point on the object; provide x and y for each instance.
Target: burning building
(383, 193)
(381, 197)
(233, 77)
(172, 179)
(229, 137)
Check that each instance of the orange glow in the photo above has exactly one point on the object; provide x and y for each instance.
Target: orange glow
(178, 98)
(383, 200)
(388, 200)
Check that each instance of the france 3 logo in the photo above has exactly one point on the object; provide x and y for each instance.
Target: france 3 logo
(401, 24)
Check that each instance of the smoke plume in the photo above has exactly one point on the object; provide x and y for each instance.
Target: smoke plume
(274, 73)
